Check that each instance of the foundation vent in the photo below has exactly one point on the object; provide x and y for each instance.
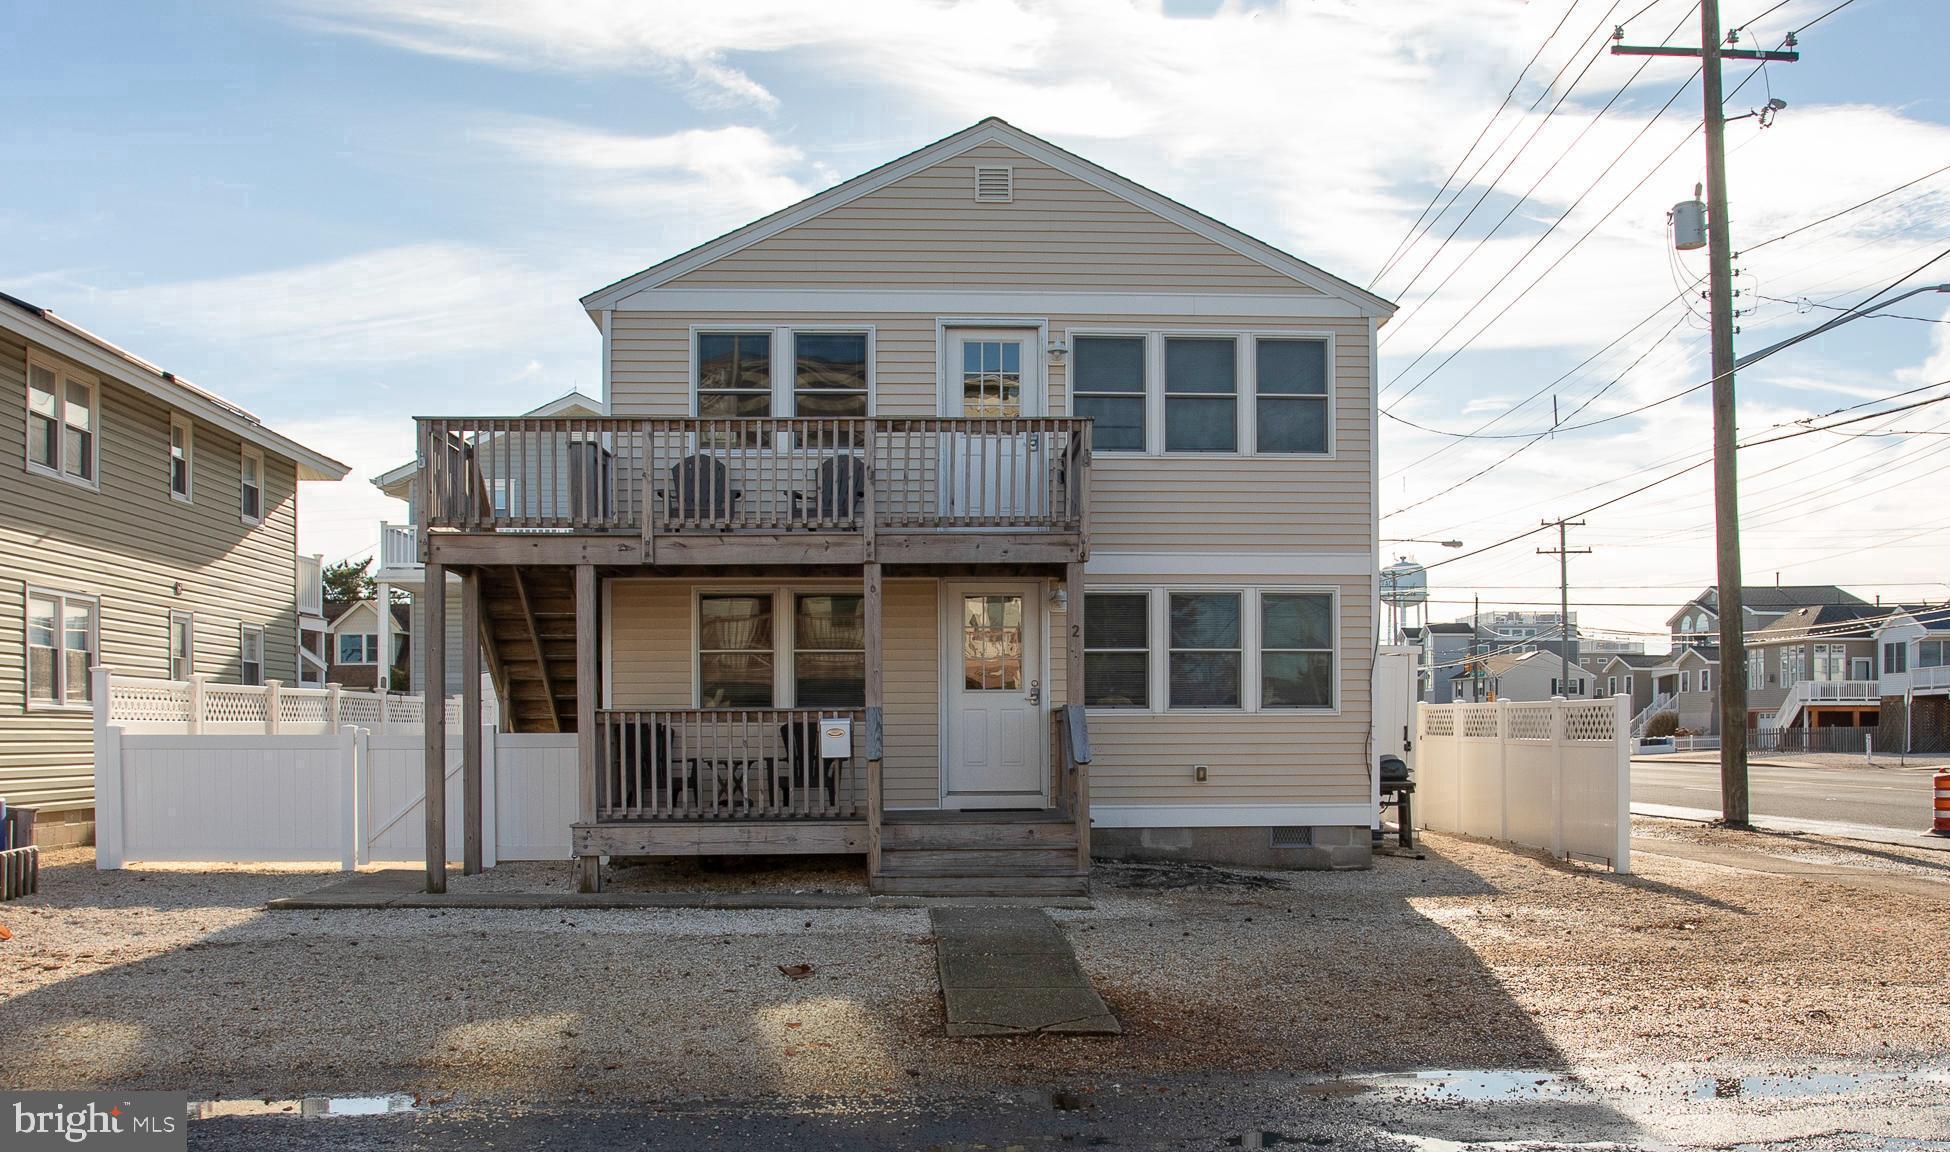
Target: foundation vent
(995, 185)
(1290, 838)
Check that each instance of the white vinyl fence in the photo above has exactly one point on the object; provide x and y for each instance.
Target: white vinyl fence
(200, 705)
(1552, 774)
(350, 796)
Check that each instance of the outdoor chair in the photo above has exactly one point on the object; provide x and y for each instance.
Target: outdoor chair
(700, 490)
(839, 491)
(643, 750)
(799, 748)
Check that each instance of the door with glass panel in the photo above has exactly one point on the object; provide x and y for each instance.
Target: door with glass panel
(996, 753)
(994, 470)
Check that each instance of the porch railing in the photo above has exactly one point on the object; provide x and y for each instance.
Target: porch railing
(398, 547)
(311, 586)
(770, 475)
(726, 764)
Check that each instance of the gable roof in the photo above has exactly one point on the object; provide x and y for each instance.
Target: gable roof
(991, 130)
(1836, 621)
(1634, 660)
(1771, 598)
(43, 327)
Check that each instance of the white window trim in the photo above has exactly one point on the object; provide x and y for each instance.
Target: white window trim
(368, 644)
(188, 619)
(244, 632)
(786, 639)
(784, 359)
(1152, 701)
(60, 635)
(1611, 685)
(1246, 395)
(178, 420)
(1706, 679)
(63, 376)
(250, 453)
(1248, 648)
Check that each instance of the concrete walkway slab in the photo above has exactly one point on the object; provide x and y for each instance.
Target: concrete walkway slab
(1010, 971)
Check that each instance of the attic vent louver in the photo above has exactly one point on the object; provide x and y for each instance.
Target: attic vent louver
(995, 185)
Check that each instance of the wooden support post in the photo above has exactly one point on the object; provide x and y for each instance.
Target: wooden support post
(1073, 702)
(874, 695)
(470, 722)
(589, 869)
(433, 696)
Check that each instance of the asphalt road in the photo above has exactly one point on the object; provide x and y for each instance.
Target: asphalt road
(1890, 797)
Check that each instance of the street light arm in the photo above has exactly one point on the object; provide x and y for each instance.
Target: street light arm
(1844, 318)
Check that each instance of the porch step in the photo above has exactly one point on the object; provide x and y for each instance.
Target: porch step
(989, 834)
(905, 884)
(956, 861)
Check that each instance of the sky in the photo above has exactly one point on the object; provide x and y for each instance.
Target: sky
(342, 214)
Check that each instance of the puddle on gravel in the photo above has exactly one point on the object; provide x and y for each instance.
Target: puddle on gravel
(1481, 1087)
(1808, 1085)
(309, 1107)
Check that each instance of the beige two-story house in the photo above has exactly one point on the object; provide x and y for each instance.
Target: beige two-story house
(979, 514)
(146, 525)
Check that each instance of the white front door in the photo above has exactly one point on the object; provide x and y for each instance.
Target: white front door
(996, 753)
(994, 374)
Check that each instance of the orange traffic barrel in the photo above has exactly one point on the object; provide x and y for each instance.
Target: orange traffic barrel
(1942, 825)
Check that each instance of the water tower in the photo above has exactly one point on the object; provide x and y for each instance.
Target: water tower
(1405, 589)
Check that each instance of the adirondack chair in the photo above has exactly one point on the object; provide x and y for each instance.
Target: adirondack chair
(700, 490)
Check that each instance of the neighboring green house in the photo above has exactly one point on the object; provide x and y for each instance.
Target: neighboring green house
(145, 524)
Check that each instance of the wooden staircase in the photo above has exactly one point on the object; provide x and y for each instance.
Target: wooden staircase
(528, 632)
(980, 853)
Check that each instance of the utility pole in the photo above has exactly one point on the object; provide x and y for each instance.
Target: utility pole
(1565, 647)
(1475, 661)
(1726, 493)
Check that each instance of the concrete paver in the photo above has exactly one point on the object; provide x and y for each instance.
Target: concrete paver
(1009, 971)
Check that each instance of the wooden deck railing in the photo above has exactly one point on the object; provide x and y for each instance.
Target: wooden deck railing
(725, 764)
(771, 475)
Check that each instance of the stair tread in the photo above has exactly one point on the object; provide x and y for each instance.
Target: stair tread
(992, 871)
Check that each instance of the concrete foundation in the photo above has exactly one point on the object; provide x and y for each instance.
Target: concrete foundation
(1314, 849)
(65, 828)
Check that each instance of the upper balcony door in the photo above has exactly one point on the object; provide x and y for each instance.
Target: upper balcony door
(994, 374)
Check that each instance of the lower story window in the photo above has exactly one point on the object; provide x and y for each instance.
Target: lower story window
(1205, 664)
(829, 652)
(61, 637)
(734, 652)
(250, 657)
(1296, 650)
(182, 645)
(1117, 650)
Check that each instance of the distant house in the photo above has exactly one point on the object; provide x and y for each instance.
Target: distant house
(1816, 667)
(1523, 676)
(1445, 648)
(1698, 620)
(1630, 674)
(148, 526)
(357, 641)
(1689, 679)
(1913, 657)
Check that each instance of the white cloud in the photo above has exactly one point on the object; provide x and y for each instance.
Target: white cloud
(713, 176)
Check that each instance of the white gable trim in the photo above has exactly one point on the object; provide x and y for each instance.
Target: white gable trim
(990, 131)
(983, 302)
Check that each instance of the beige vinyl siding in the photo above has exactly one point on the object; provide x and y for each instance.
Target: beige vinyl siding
(130, 545)
(651, 662)
(417, 633)
(1138, 503)
(927, 229)
(1269, 757)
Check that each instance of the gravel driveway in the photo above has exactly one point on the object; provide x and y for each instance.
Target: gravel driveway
(1478, 956)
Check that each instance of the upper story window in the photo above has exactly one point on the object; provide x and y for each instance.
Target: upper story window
(251, 485)
(1107, 379)
(734, 374)
(1895, 658)
(1706, 680)
(1932, 653)
(62, 631)
(179, 457)
(358, 648)
(1290, 401)
(250, 654)
(62, 417)
(829, 374)
(1201, 394)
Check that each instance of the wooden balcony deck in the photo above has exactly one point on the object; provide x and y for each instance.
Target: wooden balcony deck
(759, 491)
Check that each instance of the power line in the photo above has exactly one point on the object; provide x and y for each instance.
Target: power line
(1820, 18)
(1843, 212)
(1408, 238)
